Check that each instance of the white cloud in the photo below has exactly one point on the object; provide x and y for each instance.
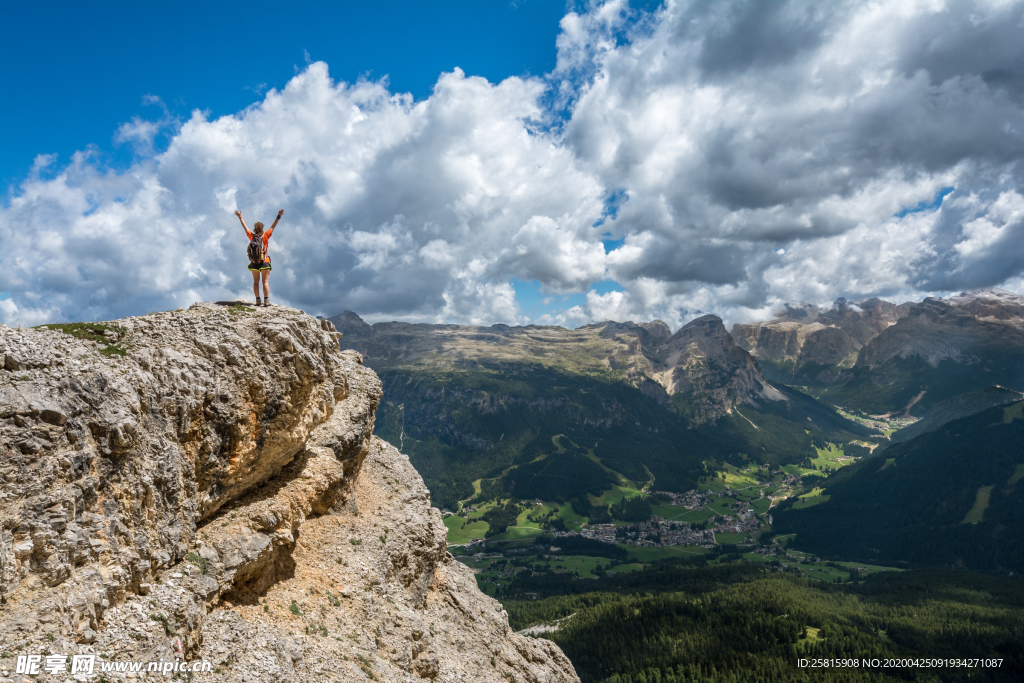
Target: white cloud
(759, 153)
(394, 208)
(740, 129)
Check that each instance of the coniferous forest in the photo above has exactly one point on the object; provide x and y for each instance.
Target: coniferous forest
(734, 622)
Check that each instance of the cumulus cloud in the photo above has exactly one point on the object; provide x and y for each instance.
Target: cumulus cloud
(770, 150)
(745, 154)
(393, 208)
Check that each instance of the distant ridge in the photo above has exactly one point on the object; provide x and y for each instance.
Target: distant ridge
(627, 401)
(921, 353)
(700, 361)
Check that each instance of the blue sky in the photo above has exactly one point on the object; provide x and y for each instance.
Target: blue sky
(526, 161)
(79, 69)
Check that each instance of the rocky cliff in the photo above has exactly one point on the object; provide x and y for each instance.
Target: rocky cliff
(884, 359)
(204, 485)
(814, 338)
(968, 329)
(702, 362)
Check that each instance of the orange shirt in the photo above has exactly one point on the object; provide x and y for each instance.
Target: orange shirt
(266, 239)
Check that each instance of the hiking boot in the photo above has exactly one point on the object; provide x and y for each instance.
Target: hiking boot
(266, 302)
(258, 302)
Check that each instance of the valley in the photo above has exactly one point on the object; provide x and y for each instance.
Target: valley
(810, 477)
(727, 515)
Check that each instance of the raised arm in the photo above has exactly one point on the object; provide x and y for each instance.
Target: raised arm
(239, 214)
(274, 225)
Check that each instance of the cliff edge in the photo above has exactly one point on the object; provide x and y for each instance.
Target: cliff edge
(203, 485)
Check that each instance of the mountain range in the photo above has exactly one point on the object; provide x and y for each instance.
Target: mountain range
(547, 412)
(881, 358)
(634, 402)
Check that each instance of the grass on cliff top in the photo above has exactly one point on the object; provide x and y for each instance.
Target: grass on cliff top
(93, 332)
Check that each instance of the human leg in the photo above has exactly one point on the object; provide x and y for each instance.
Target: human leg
(266, 284)
(256, 284)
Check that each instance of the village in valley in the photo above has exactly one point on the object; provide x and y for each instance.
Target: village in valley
(728, 515)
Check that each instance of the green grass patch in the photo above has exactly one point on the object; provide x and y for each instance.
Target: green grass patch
(542, 509)
(783, 539)
(673, 513)
(459, 534)
(810, 501)
(831, 458)
(977, 513)
(614, 495)
(801, 471)
(523, 522)
(94, 332)
(720, 506)
(1014, 412)
(735, 477)
(572, 521)
(583, 565)
(525, 528)
(812, 634)
(697, 516)
(761, 505)
(1017, 475)
(483, 509)
(515, 533)
(199, 561)
(823, 573)
(867, 568)
(816, 491)
(748, 494)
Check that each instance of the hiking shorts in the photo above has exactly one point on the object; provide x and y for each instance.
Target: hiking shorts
(265, 265)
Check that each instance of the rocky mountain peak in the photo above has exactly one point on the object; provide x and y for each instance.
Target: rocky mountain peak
(179, 483)
(350, 324)
(702, 364)
(964, 329)
(650, 334)
(997, 304)
(804, 335)
(706, 327)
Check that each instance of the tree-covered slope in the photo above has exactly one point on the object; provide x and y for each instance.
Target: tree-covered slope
(952, 497)
(736, 622)
(962, 405)
(462, 426)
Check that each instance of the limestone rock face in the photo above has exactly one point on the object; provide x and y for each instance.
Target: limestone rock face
(805, 335)
(827, 346)
(160, 487)
(965, 329)
(702, 363)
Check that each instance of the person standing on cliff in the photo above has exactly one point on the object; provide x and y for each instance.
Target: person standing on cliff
(259, 259)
